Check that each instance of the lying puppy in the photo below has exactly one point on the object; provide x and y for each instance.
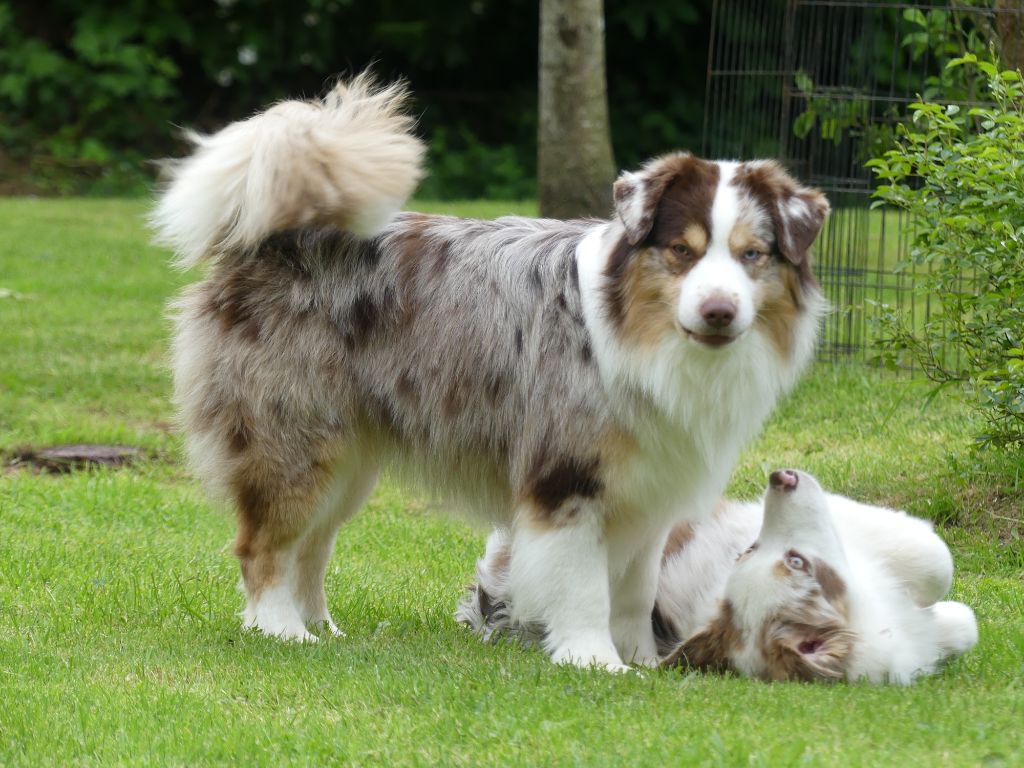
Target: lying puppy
(570, 381)
(828, 589)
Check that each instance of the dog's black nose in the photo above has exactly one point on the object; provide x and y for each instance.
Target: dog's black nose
(783, 480)
(718, 312)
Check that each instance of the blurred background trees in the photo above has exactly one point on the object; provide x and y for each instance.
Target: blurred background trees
(90, 90)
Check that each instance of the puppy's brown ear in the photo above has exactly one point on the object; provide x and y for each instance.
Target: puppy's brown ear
(797, 212)
(809, 652)
(710, 648)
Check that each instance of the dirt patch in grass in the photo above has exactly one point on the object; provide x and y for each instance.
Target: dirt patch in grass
(61, 459)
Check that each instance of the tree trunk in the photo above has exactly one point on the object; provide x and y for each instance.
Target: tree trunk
(1011, 32)
(575, 168)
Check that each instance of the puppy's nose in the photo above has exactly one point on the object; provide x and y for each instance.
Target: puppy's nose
(783, 480)
(718, 312)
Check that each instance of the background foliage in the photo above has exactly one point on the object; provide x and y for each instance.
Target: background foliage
(960, 175)
(90, 90)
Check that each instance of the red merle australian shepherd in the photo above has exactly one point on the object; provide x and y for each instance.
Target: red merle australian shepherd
(569, 380)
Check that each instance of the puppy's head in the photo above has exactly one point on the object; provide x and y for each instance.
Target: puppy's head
(785, 613)
(711, 251)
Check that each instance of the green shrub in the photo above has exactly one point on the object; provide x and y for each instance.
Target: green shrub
(959, 174)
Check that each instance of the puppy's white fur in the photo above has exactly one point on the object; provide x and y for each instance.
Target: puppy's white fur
(894, 568)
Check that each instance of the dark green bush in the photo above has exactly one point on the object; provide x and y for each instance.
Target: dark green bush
(90, 89)
(960, 176)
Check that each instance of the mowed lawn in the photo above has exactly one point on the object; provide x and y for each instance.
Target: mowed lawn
(119, 636)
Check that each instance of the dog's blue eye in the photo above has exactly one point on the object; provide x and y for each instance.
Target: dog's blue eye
(796, 562)
(751, 255)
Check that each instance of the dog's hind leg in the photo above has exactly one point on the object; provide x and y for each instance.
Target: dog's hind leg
(349, 491)
(288, 518)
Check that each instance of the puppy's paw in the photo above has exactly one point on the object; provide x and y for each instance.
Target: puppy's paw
(589, 658)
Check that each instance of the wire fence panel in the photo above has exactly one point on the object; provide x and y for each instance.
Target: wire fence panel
(822, 85)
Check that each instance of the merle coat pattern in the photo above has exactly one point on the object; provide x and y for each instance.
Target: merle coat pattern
(568, 380)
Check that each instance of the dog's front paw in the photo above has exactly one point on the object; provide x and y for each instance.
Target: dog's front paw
(292, 634)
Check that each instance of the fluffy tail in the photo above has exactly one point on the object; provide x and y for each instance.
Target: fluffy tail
(349, 160)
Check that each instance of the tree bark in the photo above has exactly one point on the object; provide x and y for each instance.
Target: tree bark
(575, 168)
(1011, 32)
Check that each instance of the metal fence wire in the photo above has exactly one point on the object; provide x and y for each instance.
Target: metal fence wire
(820, 84)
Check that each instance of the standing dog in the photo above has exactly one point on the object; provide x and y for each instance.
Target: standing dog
(801, 586)
(572, 380)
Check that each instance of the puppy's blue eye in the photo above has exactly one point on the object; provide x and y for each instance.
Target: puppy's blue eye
(796, 562)
(751, 255)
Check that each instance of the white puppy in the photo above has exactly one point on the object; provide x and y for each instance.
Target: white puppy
(828, 589)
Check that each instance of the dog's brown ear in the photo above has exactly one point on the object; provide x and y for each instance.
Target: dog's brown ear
(710, 648)
(636, 202)
(809, 652)
(638, 195)
(800, 219)
(797, 212)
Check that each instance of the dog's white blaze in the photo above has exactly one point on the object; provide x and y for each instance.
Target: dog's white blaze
(718, 274)
(725, 209)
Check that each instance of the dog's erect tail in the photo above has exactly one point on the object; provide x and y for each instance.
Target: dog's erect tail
(350, 160)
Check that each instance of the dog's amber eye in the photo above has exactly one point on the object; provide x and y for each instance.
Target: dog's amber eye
(796, 561)
(681, 251)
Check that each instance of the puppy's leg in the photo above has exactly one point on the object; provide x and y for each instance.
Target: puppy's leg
(633, 594)
(558, 577)
(919, 558)
(956, 627)
(908, 546)
(346, 496)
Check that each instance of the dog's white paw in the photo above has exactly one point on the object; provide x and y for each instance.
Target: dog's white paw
(288, 634)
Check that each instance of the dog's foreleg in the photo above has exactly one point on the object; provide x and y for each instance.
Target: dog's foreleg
(558, 576)
(633, 594)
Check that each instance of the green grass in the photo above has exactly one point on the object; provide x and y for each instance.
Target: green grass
(120, 644)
